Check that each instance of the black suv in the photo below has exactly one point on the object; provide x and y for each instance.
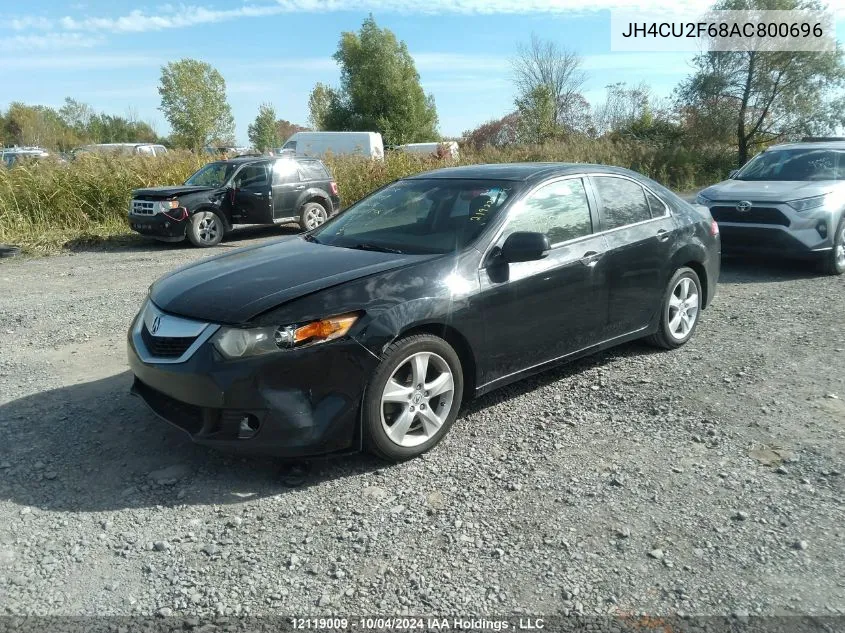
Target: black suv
(247, 190)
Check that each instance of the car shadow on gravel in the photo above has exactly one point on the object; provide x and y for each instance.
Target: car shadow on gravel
(134, 243)
(738, 269)
(93, 447)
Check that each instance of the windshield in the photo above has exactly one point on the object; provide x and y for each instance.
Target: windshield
(419, 216)
(212, 175)
(795, 164)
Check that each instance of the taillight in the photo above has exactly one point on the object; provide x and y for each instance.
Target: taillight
(714, 228)
(333, 187)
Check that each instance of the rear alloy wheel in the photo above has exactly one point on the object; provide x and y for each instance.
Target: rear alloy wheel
(413, 397)
(206, 229)
(313, 215)
(834, 261)
(680, 309)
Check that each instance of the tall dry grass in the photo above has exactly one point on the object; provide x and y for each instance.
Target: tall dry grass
(44, 205)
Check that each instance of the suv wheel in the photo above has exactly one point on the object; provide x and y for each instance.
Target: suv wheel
(206, 229)
(679, 310)
(413, 397)
(834, 261)
(313, 215)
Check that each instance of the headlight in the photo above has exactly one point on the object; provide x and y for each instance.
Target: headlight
(243, 342)
(702, 200)
(806, 204)
(166, 205)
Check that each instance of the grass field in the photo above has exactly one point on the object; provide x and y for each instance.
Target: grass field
(45, 206)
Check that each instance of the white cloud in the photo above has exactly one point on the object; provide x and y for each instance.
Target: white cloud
(170, 17)
(77, 62)
(24, 44)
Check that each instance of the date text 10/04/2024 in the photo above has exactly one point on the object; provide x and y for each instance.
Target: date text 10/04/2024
(419, 624)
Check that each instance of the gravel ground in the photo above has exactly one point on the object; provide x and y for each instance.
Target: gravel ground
(705, 481)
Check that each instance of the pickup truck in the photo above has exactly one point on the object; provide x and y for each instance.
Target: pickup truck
(249, 190)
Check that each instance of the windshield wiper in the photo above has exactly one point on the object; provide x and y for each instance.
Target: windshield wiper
(311, 238)
(366, 246)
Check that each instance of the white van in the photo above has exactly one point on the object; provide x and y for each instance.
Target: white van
(450, 149)
(367, 144)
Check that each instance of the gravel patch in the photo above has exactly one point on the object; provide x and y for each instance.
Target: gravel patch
(704, 481)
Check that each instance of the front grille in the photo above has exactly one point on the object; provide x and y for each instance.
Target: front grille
(754, 215)
(166, 346)
(143, 207)
(182, 414)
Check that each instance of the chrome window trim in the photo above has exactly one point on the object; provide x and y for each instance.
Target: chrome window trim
(584, 176)
(178, 326)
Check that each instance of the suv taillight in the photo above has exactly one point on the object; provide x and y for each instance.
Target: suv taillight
(714, 228)
(333, 187)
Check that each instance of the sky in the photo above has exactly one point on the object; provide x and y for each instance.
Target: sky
(109, 53)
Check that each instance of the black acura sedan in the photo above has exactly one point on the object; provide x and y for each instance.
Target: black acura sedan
(371, 330)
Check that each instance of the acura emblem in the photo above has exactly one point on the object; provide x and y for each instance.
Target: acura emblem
(156, 325)
(743, 206)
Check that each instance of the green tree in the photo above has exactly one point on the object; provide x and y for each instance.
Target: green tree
(322, 103)
(379, 90)
(544, 63)
(262, 132)
(536, 112)
(766, 95)
(193, 99)
(285, 129)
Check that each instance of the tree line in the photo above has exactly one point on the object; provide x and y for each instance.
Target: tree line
(741, 101)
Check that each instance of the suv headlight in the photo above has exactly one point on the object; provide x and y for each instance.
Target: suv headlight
(702, 200)
(243, 342)
(805, 204)
(165, 205)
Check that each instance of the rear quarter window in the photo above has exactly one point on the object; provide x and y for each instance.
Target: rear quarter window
(312, 170)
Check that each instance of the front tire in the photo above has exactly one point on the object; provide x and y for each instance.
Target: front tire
(413, 397)
(206, 229)
(834, 261)
(679, 310)
(313, 215)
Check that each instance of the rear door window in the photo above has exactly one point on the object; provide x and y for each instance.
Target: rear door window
(624, 201)
(312, 170)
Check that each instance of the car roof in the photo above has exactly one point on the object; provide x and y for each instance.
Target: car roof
(240, 160)
(809, 145)
(520, 171)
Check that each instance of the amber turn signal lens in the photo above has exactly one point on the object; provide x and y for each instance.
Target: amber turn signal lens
(325, 329)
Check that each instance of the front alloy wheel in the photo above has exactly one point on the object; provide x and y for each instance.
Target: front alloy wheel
(206, 229)
(413, 397)
(416, 399)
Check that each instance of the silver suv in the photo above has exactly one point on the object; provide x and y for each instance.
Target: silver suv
(786, 201)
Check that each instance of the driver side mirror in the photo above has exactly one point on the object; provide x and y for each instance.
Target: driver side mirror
(525, 246)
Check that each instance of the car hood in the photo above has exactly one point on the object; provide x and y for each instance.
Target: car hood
(769, 190)
(170, 191)
(238, 286)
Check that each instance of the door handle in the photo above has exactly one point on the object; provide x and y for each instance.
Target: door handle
(299, 188)
(663, 235)
(258, 194)
(590, 258)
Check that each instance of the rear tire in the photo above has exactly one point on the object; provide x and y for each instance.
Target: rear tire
(413, 398)
(834, 261)
(313, 214)
(206, 229)
(679, 310)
